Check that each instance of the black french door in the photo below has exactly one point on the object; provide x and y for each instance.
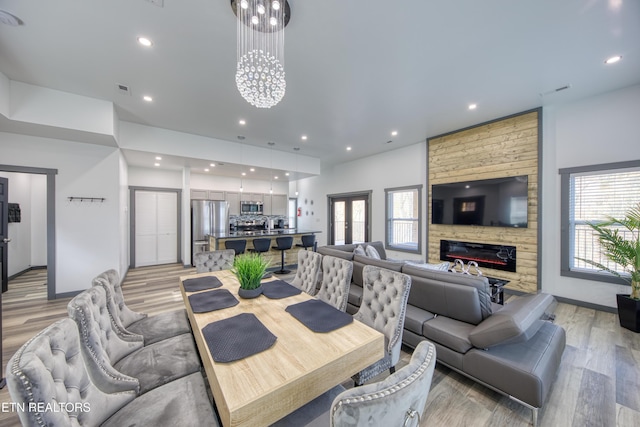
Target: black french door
(349, 219)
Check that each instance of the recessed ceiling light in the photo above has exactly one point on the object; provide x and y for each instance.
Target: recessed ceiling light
(156, 164)
(275, 177)
(213, 165)
(286, 174)
(242, 122)
(303, 137)
(252, 170)
(145, 41)
(613, 59)
(206, 170)
(472, 106)
(147, 98)
(348, 148)
(394, 133)
(158, 158)
(244, 174)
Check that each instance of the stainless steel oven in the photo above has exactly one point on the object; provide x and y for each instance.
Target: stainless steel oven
(251, 208)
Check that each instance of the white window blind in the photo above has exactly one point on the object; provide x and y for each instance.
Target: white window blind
(595, 196)
(403, 218)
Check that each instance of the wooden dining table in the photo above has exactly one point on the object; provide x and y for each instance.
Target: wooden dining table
(260, 389)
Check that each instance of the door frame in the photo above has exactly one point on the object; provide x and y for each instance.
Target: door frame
(361, 194)
(51, 221)
(132, 219)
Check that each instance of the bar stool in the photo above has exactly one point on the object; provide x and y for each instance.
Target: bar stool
(237, 245)
(259, 246)
(283, 244)
(308, 241)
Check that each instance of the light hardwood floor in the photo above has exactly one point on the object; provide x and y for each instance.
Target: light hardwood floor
(598, 383)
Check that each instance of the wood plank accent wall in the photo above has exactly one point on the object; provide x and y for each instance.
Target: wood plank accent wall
(505, 147)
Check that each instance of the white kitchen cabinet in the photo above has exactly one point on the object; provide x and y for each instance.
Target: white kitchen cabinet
(216, 195)
(234, 202)
(199, 194)
(257, 197)
(279, 204)
(266, 204)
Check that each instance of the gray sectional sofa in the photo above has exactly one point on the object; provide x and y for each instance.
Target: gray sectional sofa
(514, 348)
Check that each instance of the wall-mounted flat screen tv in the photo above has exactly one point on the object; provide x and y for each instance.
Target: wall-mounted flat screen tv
(497, 202)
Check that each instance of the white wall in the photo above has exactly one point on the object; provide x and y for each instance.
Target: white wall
(601, 129)
(398, 168)
(88, 241)
(123, 214)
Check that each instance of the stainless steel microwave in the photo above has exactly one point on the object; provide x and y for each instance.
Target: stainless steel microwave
(251, 208)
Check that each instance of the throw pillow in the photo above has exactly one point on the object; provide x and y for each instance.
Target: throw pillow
(359, 250)
(443, 266)
(372, 252)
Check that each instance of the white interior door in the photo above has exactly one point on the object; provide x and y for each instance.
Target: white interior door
(156, 224)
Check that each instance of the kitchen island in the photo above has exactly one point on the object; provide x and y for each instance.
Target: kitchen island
(217, 240)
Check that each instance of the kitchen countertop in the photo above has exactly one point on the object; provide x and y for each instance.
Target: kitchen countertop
(262, 233)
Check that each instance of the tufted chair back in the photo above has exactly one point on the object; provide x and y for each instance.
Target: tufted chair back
(336, 279)
(384, 304)
(110, 281)
(309, 265)
(398, 400)
(102, 342)
(214, 260)
(49, 370)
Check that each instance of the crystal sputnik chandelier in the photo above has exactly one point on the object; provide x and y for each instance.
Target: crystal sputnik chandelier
(260, 71)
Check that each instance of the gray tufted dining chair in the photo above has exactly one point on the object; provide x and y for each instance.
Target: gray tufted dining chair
(398, 400)
(384, 303)
(336, 279)
(309, 265)
(107, 350)
(153, 329)
(49, 378)
(214, 260)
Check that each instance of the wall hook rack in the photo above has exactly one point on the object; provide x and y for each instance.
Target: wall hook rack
(87, 199)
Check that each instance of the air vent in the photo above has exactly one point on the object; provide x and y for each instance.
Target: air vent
(556, 90)
(123, 89)
(159, 3)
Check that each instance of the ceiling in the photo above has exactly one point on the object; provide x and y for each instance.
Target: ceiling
(356, 70)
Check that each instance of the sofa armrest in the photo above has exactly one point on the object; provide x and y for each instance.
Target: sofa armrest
(517, 321)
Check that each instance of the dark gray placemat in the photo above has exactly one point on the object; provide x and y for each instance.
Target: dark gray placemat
(319, 316)
(237, 337)
(212, 300)
(201, 283)
(279, 289)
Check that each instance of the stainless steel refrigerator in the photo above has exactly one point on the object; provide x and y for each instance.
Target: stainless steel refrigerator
(207, 217)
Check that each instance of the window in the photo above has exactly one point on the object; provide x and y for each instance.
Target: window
(591, 194)
(403, 217)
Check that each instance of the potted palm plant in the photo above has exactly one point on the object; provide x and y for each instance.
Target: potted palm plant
(625, 252)
(249, 269)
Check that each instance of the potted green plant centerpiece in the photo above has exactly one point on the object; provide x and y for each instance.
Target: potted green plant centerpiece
(249, 269)
(625, 252)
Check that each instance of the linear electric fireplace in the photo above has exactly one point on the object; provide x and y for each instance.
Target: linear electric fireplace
(497, 257)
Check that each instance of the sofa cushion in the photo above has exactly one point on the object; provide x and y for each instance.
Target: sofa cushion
(327, 250)
(355, 295)
(415, 318)
(448, 332)
(372, 252)
(517, 321)
(379, 247)
(359, 250)
(523, 370)
(359, 262)
(443, 266)
(443, 288)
